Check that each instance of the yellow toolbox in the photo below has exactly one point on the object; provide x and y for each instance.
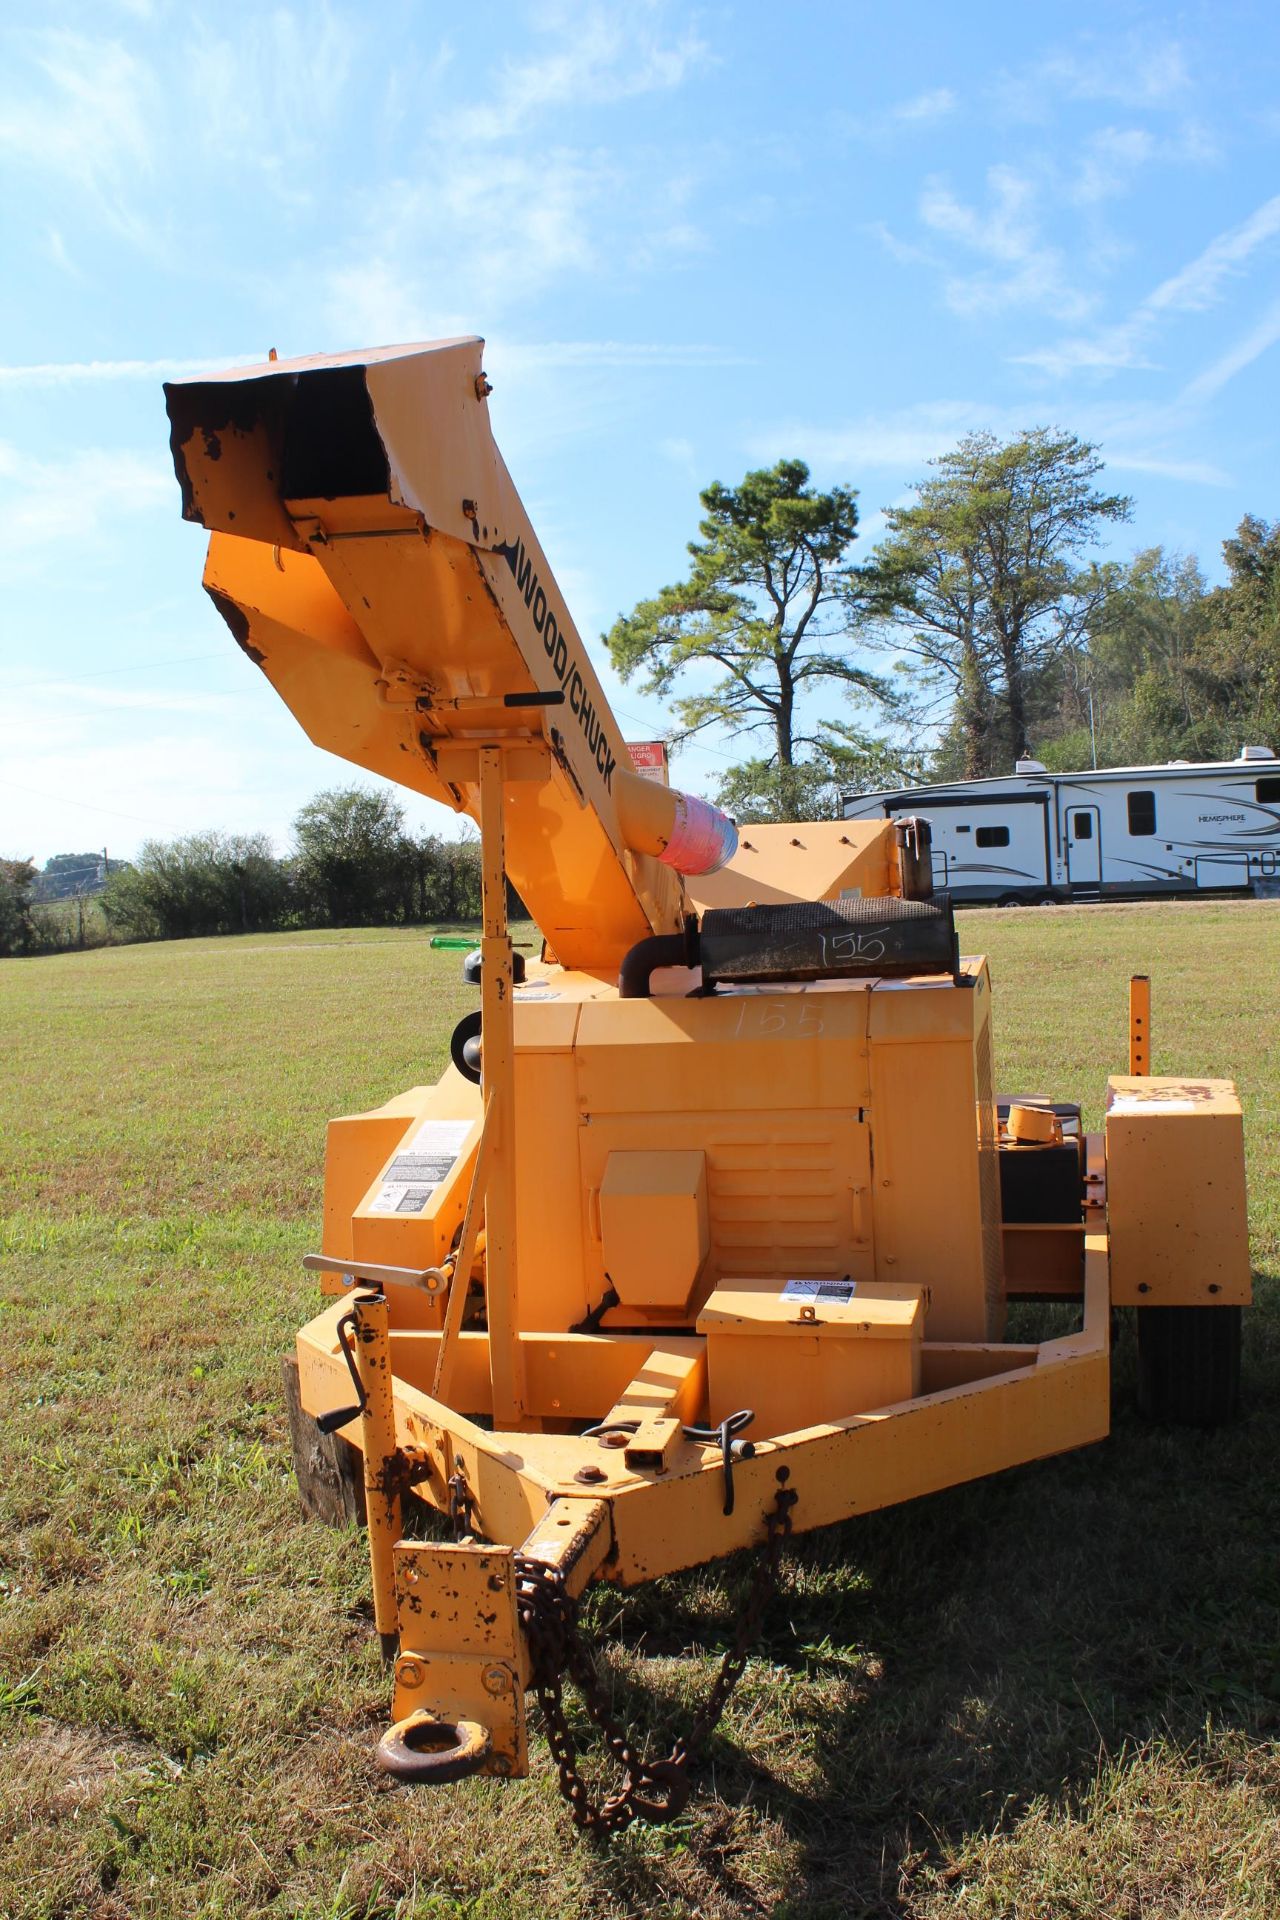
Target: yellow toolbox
(835, 1347)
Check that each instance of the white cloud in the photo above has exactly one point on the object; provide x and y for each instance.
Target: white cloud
(681, 453)
(604, 55)
(1194, 288)
(615, 353)
(905, 440)
(1110, 159)
(267, 92)
(1138, 72)
(88, 120)
(1106, 351)
(1028, 271)
(119, 126)
(492, 219)
(1199, 284)
(56, 249)
(904, 251)
(72, 503)
(1135, 72)
(66, 373)
(391, 316)
(486, 233)
(1203, 473)
(1005, 231)
(140, 699)
(937, 104)
(1259, 340)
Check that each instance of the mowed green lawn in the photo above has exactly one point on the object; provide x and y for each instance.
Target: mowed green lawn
(1053, 1694)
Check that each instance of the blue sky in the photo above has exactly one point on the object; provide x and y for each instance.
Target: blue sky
(695, 238)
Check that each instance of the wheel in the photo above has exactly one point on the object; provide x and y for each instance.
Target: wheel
(464, 1047)
(1189, 1364)
(1009, 900)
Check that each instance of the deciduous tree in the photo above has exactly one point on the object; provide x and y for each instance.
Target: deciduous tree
(350, 865)
(988, 575)
(761, 620)
(811, 789)
(17, 877)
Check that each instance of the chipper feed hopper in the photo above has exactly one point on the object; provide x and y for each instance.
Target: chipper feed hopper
(706, 1235)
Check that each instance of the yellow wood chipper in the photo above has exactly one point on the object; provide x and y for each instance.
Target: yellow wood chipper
(707, 1233)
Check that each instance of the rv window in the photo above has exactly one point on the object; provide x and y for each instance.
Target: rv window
(1142, 812)
(1082, 826)
(991, 837)
(1268, 789)
(964, 829)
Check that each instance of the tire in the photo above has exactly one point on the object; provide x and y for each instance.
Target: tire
(1189, 1364)
(1010, 900)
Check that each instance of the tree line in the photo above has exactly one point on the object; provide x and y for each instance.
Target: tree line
(983, 626)
(352, 863)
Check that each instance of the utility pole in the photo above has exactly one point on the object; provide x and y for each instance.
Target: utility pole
(1093, 731)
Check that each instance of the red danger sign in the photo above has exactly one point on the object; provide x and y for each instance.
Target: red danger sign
(649, 758)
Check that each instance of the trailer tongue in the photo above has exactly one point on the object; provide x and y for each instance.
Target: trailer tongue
(706, 1234)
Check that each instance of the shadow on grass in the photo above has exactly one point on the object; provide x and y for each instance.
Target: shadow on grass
(952, 1660)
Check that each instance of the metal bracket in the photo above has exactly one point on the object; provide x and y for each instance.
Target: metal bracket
(362, 1272)
(462, 1657)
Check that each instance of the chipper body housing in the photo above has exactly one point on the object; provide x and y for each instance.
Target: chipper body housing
(710, 1227)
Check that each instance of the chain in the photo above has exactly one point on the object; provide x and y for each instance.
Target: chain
(656, 1791)
(460, 1504)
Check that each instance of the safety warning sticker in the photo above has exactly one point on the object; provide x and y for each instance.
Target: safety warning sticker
(422, 1163)
(819, 1289)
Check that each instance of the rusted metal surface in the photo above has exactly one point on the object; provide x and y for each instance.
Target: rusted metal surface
(462, 1656)
(575, 1537)
(382, 1488)
(329, 1470)
(423, 1751)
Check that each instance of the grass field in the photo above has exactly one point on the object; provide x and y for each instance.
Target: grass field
(1055, 1694)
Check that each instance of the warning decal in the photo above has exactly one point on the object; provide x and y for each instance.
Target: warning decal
(431, 1167)
(414, 1199)
(426, 1159)
(819, 1289)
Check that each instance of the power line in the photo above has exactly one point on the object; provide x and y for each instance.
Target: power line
(65, 800)
(106, 673)
(686, 746)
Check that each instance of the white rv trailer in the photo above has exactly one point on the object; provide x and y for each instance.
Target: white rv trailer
(1114, 833)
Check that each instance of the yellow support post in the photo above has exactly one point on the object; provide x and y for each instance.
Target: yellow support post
(442, 1383)
(1140, 1024)
(497, 1071)
(378, 1438)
